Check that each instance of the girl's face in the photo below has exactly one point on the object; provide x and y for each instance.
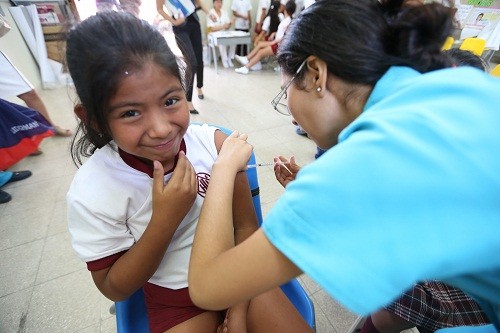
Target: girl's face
(218, 4)
(322, 118)
(148, 115)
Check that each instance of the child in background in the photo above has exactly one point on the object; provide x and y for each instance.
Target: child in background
(221, 22)
(133, 206)
(270, 24)
(265, 48)
(262, 9)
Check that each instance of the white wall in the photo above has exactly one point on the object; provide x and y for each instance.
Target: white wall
(13, 45)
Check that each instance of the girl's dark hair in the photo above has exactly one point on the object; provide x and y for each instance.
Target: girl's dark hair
(290, 7)
(273, 14)
(99, 51)
(359, 40)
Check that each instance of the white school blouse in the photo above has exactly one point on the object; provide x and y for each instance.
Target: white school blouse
(110, 205)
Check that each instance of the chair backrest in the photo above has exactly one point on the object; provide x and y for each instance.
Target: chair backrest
(131, 315)
(473, 44)
(496, 71)
(448, 43)
(469, 329)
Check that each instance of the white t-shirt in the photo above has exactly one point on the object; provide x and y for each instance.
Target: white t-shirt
(242, 7)
(282, 28)
(110, 206)
(221, 20)
(12, 81)
(263, 4)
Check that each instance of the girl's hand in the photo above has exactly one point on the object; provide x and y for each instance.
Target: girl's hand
(171, 202)
(235, 152)
(284, 170)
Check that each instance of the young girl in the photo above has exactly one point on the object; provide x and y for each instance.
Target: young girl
(270, 23)
(134, 204)
(409, 187)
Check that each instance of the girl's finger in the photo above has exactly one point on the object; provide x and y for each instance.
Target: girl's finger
(180, 168)
(158, 176)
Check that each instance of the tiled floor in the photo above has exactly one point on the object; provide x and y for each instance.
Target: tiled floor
(45, 288)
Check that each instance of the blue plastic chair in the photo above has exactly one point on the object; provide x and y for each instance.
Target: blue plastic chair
(131, 315)
(469, 329)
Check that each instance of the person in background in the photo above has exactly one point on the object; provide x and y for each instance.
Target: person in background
(221, 22)
(266, 48)
(133, 206)
(242, 11)
(188, 31)
(270, 24)
(409, 187)
(13, 83)
(261, 13)
(299, 6)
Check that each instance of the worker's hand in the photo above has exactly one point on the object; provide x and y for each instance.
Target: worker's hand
(285, 170)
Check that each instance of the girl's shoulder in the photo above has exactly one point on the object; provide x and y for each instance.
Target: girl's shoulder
(198, 132)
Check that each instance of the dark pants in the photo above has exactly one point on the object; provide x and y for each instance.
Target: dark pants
(189, 39)
(242, 49)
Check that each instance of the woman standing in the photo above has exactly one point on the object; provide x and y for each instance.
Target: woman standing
(188, 31)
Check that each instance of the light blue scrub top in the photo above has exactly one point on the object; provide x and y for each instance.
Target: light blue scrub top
(411, 192)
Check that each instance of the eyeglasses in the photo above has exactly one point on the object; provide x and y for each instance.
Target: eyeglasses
(277, 104)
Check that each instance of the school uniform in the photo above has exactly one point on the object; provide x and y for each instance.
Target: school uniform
(110, 206)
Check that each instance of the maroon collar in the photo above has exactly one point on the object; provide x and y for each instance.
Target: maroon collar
(147, 167)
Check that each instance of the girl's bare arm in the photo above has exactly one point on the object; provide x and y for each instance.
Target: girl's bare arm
(221, 275)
